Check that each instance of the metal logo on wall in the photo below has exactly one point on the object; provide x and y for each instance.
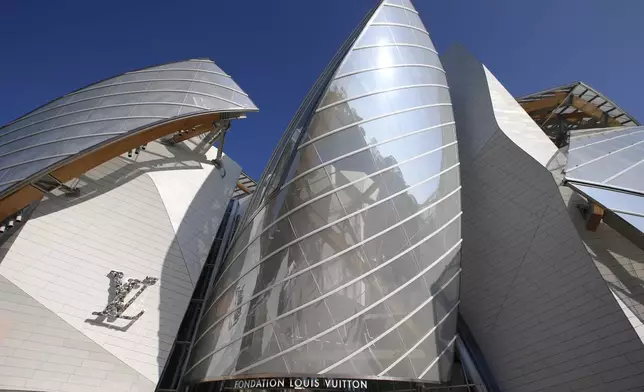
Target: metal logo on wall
(116, 306)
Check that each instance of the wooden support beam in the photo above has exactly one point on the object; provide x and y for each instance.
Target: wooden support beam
(80, 164)
(595, 215)
(107, 152)
(594, 112)
(190, 133)
(19, 200)
(570, 117)
(243, 187)
(544, 103)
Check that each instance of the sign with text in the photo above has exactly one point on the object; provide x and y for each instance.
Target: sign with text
(300, 383)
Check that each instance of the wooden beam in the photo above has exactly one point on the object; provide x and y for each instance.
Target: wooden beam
(243, 187)
(544, 103)
(594, 112)
(19, 200)
(189, 134)
(88, 160)
(110, 151)
(595, 215)
(572, 118)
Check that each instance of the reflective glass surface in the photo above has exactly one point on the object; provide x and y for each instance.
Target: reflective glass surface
(614, 157)
(347, 261)
(110, 109)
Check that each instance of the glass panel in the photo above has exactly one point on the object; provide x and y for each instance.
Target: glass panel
(206, 102)
(274, 366)
(376, 35)
(416, 55)
(211, 90)
(404, 35)
(406, 3)
(256, 347)
(606, 144)
(440, 161)
(314, 318)
(381, 16)
(381, 130)
(176, 75)
(67, 147)
(74, 107)
(418, 325)
(242, 100)
(155, 111)
(401, 273)
(170, 85)
(373, 108)
(181, 65)
(21, 172)
(379, 80)
(613, 163)
(366, 362)
(632, 178)
(223, 332)
(396, 15)
(82, 95)
(341, 269)
(283, 226)
(272, 271)
(389, 346)
(304, 324)
(414, 20)
(224, 361)
(316, 355)
(428, 222)
(219, 79)
(427, 352)
(402, 370)
(124, 88)
(385, 56)
(121, 99)
(316, 215)
(361, 165)
(635, 221)
(187, 110)
(198, 373)
(209, 66)
(614, 199)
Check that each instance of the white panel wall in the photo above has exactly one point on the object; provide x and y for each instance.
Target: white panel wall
(536, 304)
(517, 124)
(620, 262)
(40, 351)
(155, 214)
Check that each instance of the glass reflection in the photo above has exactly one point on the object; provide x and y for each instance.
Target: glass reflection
(355, 224)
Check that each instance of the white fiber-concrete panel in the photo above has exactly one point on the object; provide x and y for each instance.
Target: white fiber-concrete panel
(536, 304)
(154, 214)
(517, 124)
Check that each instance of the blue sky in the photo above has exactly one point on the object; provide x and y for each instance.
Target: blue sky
(276, 49)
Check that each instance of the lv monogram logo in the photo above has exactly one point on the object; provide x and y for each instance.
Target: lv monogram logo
(117, 305)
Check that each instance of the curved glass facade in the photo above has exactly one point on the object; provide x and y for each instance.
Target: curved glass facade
(347, 261)
(110, 110)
